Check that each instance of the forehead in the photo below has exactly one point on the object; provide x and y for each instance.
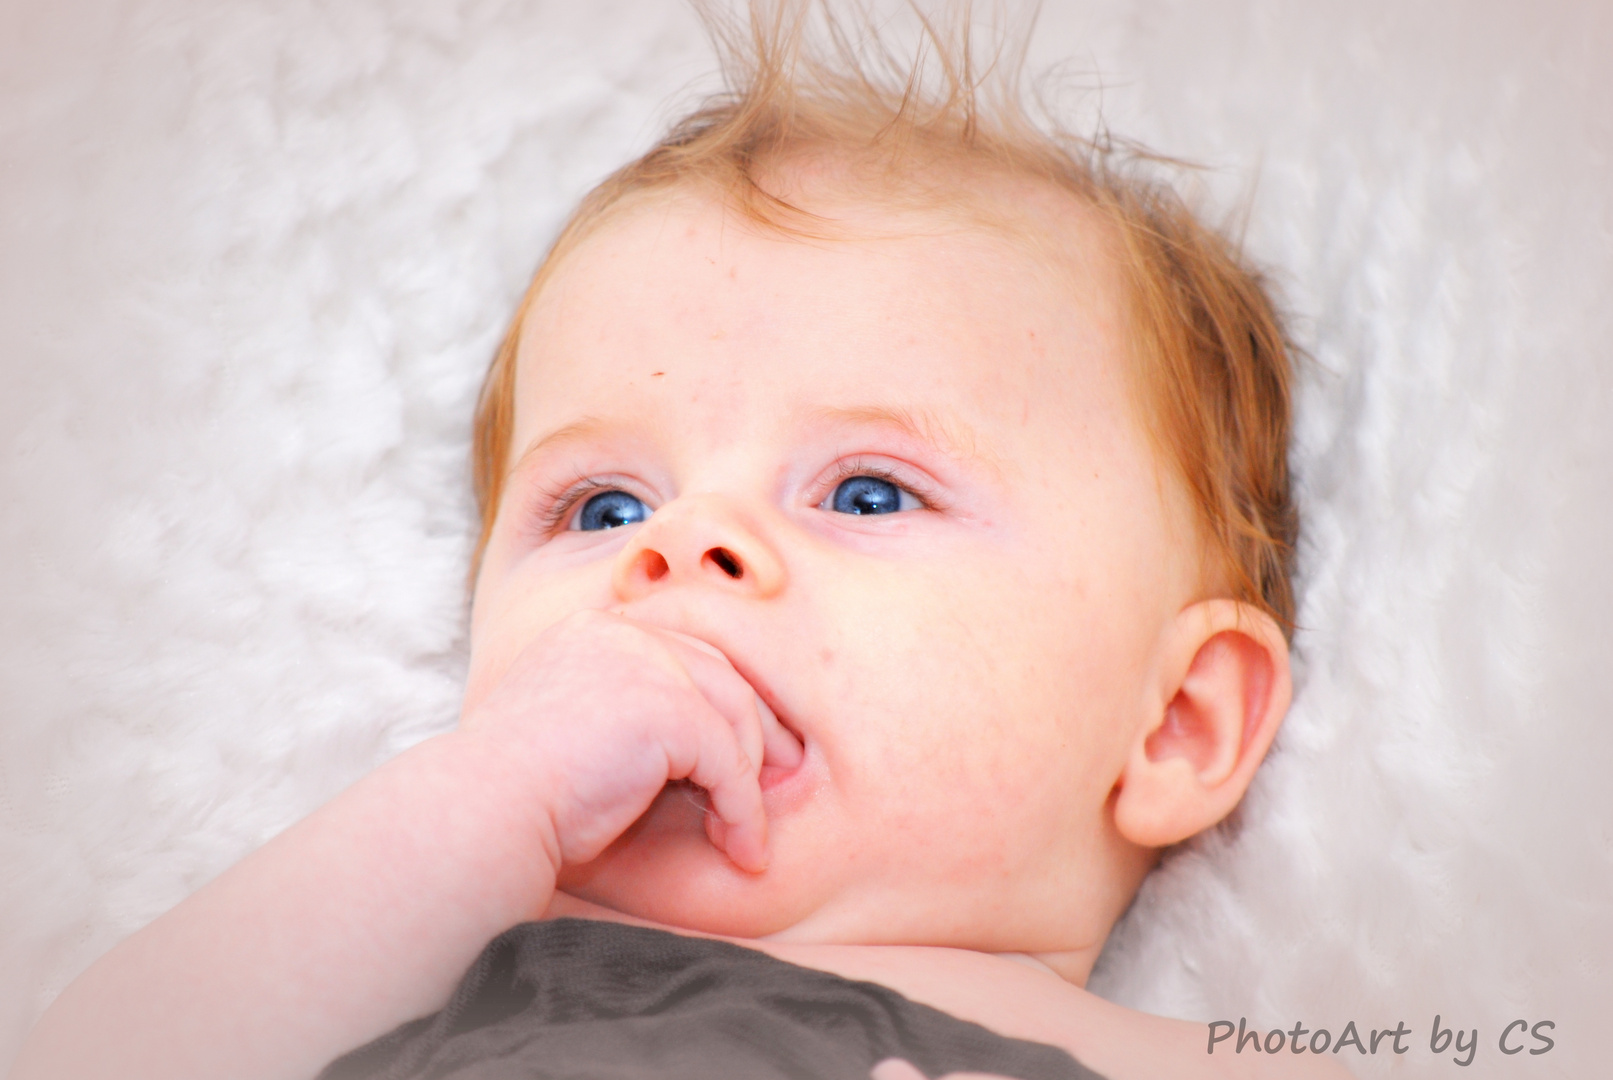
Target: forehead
(1003, 318)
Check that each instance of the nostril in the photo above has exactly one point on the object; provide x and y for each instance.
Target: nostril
(726, 562)
(654, 565)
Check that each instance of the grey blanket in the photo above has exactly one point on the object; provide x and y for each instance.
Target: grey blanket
(575, 999)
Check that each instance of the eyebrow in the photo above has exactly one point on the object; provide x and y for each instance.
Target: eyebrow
(589, 427)
(944, 433)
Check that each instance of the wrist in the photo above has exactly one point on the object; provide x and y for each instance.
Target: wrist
(435, 842)
(497, 803)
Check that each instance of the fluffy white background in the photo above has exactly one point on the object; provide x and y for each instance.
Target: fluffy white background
(254, 255)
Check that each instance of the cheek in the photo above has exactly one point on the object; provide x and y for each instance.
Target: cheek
(513, 606)
(978, 695)
(949, 679)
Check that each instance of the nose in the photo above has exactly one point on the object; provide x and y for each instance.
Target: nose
(698, 539)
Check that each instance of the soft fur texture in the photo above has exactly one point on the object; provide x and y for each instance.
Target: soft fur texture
(254, 255)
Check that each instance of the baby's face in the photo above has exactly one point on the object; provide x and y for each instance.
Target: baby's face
(959, 551)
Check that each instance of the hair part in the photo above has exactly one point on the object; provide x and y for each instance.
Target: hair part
(1212, 366)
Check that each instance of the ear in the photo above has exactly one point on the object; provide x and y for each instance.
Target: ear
(1224, 688)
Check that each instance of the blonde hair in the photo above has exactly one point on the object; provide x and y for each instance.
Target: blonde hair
(1212, 363)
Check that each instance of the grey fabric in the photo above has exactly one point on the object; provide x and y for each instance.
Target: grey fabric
(575, 999)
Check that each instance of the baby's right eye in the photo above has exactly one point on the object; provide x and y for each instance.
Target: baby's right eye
(870, 494)
(609, 510)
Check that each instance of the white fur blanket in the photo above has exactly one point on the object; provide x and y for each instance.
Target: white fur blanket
(254, 255)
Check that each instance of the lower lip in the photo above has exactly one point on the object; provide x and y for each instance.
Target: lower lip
(782, 789)
(785, 789)
(773, 776)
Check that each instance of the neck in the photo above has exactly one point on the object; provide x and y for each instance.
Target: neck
(1072, 965)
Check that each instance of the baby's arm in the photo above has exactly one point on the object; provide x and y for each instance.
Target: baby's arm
(366, 914)
(353, 919)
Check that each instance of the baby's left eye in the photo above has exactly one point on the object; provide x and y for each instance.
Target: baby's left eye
(610, 510)
(869, 495)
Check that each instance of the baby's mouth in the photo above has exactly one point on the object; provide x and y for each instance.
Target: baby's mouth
(782, 754)
(771, 776)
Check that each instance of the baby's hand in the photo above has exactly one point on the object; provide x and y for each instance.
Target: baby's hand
(603, 712)
(366, 913)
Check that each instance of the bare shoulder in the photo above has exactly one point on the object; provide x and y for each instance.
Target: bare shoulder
(1029, 1002)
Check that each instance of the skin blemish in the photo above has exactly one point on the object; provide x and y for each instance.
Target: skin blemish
(656, 374)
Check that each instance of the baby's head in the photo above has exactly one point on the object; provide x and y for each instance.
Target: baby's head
(965, 449)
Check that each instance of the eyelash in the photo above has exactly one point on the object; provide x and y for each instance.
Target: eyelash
(553, 503)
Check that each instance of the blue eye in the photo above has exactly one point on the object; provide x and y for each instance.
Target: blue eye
(610, 510)
(869, 495)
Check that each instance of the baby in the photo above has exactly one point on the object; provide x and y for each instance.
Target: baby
(885, 555)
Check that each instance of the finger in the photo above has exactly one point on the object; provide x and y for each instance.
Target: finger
(765, 739)
(726, 755)
(724, 687)
(780, 745)
(733, 792)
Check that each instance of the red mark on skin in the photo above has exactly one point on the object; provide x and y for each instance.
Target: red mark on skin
(656, 374)
(1038, 350)
(827, 656)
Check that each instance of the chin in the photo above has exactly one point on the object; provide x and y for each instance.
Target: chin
(665, 870)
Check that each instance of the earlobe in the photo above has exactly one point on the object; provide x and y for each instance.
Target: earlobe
(1224, 688)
